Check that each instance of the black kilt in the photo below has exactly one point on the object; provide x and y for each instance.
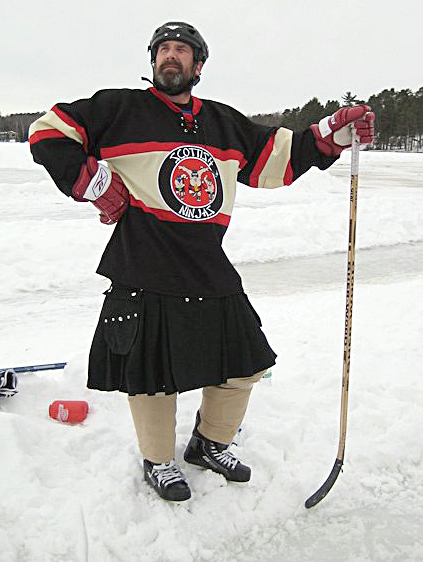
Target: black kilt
(146, 343)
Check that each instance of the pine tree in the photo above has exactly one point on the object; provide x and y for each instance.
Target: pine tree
(349, 99)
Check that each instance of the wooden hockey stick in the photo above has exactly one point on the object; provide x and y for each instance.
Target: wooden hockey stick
(330, 481)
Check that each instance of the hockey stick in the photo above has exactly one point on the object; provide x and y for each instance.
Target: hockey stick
(330, 481)
(32, 368)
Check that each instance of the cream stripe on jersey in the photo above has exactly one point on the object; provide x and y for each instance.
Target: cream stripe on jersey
(273, 172)
(140, 173)
(51, 121)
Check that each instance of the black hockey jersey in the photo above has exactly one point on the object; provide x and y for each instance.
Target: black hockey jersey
(181, 173)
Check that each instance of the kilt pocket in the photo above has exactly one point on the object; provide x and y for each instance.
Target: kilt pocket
(120, 318)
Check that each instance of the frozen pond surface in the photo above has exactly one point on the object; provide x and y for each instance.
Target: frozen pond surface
(312, 273)
(77, 491)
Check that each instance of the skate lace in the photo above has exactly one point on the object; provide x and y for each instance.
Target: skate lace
(169, 475)
(225, 457)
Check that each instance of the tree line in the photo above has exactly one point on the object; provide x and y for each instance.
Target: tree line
(398, 126)
(17, 123)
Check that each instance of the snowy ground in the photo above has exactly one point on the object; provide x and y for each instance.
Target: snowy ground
(76, 494)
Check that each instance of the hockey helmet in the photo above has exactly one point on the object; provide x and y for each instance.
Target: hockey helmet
(179, 31)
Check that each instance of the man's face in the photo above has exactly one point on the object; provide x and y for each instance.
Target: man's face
(175, 67)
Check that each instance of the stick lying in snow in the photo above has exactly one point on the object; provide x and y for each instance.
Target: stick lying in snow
(32, 368)
(330, 481)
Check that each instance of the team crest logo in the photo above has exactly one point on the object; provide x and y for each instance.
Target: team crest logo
(190, 183)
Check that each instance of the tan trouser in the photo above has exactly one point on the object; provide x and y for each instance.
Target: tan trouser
(222, 411)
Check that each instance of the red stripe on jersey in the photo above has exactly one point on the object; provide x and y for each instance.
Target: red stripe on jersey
(163, 215)
(196, 105)
(289, 175)
(46, 134)
(261, 161)
(143, 147)
(196, 102)
(69, 121)
(137, 148)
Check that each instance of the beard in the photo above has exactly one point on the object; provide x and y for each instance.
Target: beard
(172, 81)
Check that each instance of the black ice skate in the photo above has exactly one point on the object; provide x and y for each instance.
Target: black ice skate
(211, 454)
(168, 480)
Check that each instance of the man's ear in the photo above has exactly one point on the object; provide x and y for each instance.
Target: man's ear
(198, 68)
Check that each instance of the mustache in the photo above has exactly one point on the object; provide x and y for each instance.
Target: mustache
(171, 64)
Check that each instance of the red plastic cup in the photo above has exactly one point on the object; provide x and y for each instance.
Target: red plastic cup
(68, 410)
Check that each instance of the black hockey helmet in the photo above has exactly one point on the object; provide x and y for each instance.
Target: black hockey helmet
(179, 31)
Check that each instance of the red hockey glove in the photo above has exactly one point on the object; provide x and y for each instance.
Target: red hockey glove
(333, 133)
(105, 190)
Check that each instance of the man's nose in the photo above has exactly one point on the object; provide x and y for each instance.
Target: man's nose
(171, 54)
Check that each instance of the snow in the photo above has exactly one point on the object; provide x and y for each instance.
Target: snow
(76, 492)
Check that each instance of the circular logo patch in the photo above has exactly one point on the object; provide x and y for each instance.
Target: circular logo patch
(190, 183)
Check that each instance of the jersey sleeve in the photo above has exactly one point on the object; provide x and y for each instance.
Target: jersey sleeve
(63, 138)
(279, 156)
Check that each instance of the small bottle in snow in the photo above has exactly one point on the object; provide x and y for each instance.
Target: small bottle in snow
(70, 411)
(266, 377)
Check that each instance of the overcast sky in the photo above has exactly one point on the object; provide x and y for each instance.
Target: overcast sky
(265, 55)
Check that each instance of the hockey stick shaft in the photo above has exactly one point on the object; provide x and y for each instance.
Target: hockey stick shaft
(33, 368)
(330, 481)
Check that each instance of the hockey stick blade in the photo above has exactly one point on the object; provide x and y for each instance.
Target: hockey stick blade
(326, 486)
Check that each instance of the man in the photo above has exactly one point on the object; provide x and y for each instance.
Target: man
(175, 317)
